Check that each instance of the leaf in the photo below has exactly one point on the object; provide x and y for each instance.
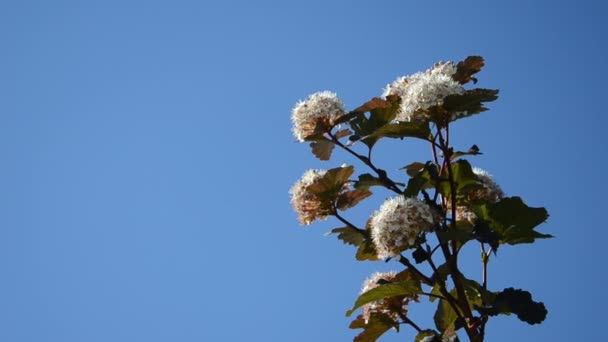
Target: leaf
(445, 317)
(469, 103)
(375, 327)
(349, 235)
(322, 149)
(513, 220)
(351, 198)
(427, 333)
(464, 177)
(422, 180)
(455, 235)
(381, 112)
(519, 302)
(419, 130)
(409, 288)
(473, 151)
(343, 133)
(413, 168)
(420, 255)
(367, 251)
(332, 181)
(465, 69)
(366, 180)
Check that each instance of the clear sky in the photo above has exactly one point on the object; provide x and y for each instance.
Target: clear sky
(147, 155)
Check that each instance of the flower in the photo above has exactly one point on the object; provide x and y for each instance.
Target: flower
(319, 108)
(305, 203)
(490, 192)
(423, 90)
(389, 306)
(398, 223)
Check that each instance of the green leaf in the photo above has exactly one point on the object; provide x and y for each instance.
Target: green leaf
(351, 198)
(381, 112)
(519, 302)
(464, 178)
(402, 288)
(413, 168)
(422, 180)
(367, 251)
(332, 182)
(419, 130)
(366, 180)
(428, 333)
(350, 235)
(513, 220)
(445, 317)
(322, 149)
(375, 327)
(455, 235)
(465, 69)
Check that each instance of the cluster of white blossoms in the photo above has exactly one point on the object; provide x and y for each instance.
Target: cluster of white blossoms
(489, 192)
(398, 223)
(323, 107)
(306, 204)
(388, 306)
(423, 90)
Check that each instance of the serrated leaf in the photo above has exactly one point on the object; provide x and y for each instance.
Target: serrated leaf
(464, 178)
(375, 327)
(465, 69)
(351, 198)
(513, 220)
(469, 103)
(367, 251)
(422, 180)
(349, 235)
(402, 288)
(445, 317)
(322, 149)
(381, 112)
(519, 302)
(418, 130)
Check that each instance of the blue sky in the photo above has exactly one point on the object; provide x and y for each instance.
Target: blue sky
(147, 156)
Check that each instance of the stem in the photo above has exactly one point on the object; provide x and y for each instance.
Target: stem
(388, 183)
(410, 322)
(346, 222)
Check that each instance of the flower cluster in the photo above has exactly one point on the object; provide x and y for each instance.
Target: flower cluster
(423, 90)
(489, 192)
(389, 306)
(305, 203)
(398, 223)
(322, 108)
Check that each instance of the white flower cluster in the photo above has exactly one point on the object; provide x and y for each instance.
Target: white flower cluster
(382, 305)
(398, 223)
(491, 191)
(423, 90)
(306, 204)
(323, 107)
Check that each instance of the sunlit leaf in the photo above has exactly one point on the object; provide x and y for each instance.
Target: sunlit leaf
(445, 317)
(367, 180)
(375, 327)
(465, 69)
(402, 288)
(469, 103)
(351, 198)
(350, 235)
(322, 149)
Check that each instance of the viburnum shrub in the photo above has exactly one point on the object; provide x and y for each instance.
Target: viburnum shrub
(438, 207)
